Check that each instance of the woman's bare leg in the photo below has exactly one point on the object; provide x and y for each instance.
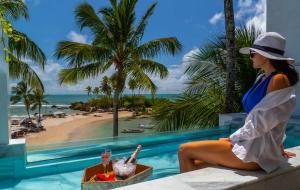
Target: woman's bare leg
(194, 155)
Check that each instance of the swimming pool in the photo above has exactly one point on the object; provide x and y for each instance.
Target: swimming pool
(159, 151)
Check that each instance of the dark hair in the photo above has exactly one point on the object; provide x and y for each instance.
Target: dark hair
(284, 67)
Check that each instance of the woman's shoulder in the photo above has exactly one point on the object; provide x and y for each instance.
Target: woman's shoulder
(278, 81)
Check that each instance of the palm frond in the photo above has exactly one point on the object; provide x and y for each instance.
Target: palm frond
(14, 9)
(203, 71)
(139, 31)
(75, 74)
(77, 54)
(21, 70)
(25, 48)
(155, 47)
(153, 68)
(87, 17)
(144, 82)
(191, 111)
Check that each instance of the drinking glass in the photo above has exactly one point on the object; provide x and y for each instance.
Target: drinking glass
(105, 156)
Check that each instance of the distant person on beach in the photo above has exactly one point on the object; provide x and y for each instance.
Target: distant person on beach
(258, 144)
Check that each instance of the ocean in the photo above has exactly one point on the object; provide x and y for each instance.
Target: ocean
(64, 101)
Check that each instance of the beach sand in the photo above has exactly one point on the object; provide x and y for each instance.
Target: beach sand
(73, 127)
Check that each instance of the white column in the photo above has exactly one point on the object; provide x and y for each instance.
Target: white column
(4, 100)
(283, 17)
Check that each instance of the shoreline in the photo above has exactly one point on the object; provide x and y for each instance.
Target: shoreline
(71, 128)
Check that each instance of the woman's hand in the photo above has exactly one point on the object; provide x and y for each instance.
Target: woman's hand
(289, 154)
(225, 139)
(286, 153)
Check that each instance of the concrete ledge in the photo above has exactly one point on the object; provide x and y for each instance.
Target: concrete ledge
(216, 178)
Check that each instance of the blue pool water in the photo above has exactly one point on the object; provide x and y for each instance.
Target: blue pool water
(159, 151)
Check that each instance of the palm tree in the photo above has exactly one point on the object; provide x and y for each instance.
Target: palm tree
(38, 99)
(117, 42)
(132, 84)
(204, 98)
(22, 92)
(231, 55)
(88, 89)
(105, 86)
(18, 46)
(96, 91)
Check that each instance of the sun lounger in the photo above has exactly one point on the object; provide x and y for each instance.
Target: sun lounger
(17, 134)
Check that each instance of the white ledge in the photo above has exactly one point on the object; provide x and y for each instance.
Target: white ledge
(216, 178)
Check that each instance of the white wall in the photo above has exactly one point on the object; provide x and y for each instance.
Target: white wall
(283, 16)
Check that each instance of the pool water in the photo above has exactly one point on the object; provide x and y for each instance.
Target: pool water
(159, 151)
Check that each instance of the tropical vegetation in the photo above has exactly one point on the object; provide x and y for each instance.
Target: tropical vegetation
(96, 91)
(89, 90)
(117, 42)
(105, 87)
(132, 85)
(20, 50)
(204, 98)
(131, 103)
(22, 92)
(38, 99)
(33, 99)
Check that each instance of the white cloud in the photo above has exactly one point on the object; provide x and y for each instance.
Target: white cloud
(245, 8)
(216, 18)
(244, 3)
(259, 18)
(75, 37)
(254, 13)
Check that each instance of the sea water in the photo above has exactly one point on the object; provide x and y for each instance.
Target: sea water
(64, 101)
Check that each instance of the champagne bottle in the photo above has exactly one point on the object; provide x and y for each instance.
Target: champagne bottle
(132, 158)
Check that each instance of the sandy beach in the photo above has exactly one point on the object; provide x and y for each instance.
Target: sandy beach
(70, 128)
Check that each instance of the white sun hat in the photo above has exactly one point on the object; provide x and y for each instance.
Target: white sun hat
(270, 45)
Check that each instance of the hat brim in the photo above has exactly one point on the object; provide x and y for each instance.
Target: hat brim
(270, 55)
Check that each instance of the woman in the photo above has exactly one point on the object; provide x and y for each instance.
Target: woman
(269, 104)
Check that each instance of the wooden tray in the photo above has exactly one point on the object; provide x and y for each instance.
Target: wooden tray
(141, 173)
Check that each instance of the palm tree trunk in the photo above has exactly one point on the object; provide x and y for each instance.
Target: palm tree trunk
(231, 55)
(27, 107)
(40, 113)
(28, 113)
(115, 113)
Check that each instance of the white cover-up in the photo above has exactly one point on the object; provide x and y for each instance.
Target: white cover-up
(259, 139)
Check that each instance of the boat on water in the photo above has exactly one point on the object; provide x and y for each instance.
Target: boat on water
(146, 126)
(132, 131)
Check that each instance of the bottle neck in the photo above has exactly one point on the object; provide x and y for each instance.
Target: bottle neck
(134, 154)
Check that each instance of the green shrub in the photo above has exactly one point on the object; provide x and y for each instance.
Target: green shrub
(103, 102)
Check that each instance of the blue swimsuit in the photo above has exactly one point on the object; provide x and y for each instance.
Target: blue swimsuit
(256, 92)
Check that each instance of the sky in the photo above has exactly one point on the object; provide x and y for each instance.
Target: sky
(193, 22)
